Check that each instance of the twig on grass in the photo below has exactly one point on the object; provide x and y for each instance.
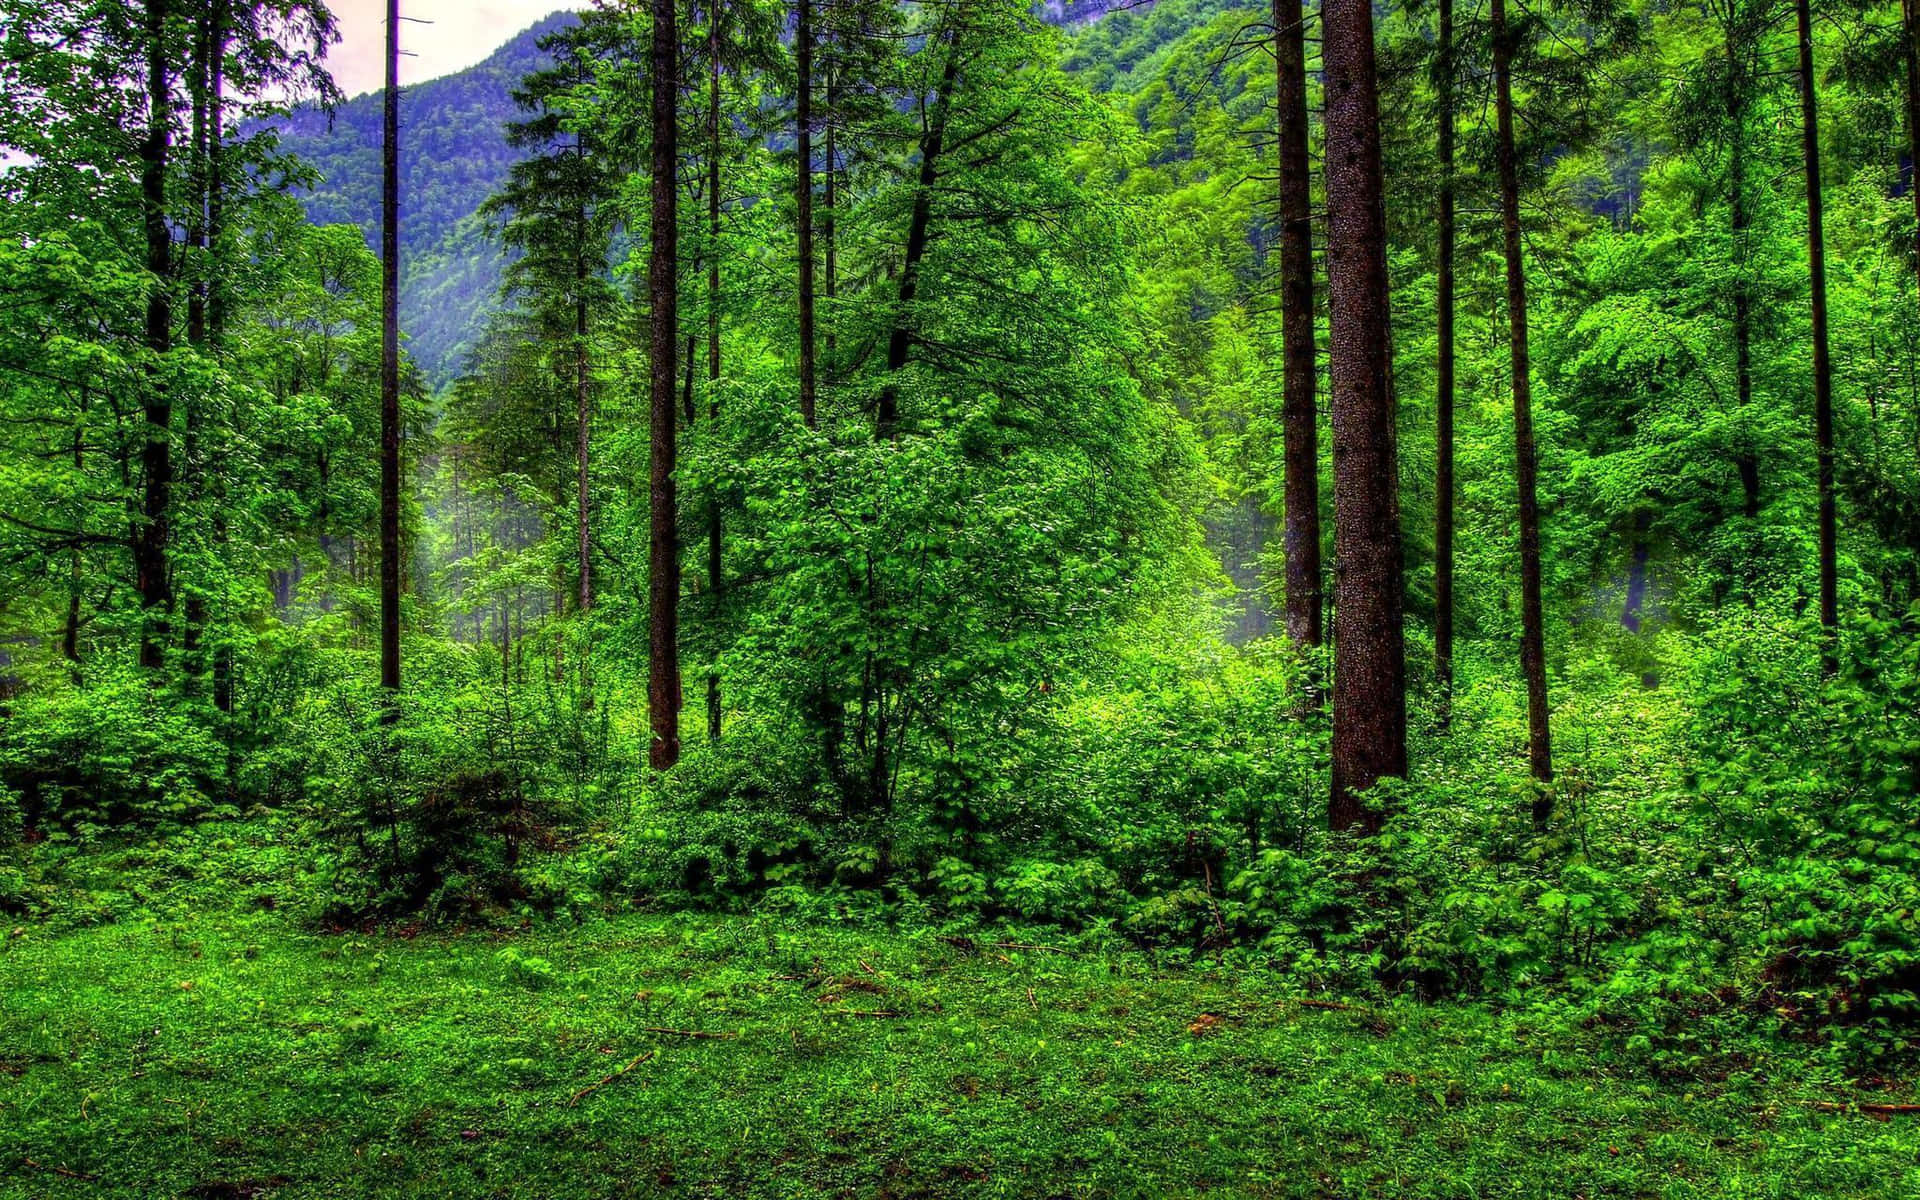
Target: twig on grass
(64, 1172)
(688, 1033)
(1878, 1110)
(597, 1085)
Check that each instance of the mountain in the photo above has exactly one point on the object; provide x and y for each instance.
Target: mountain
(454, 154)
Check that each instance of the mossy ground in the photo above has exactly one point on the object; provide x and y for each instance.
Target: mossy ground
(234, 1055)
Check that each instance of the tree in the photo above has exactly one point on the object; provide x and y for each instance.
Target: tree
(1299, 414)
(1444, 486)
(1369, 688)
(663, 579)
(1822, 358)
(1533, 657)
(803, 195)
(152, 538)
(390, 371)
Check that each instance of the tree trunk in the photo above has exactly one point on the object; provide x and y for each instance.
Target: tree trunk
(716, 577)
(1533, 653)
(151, 540)
(1298, 414)
(1739, 221)
(1444, 486)
(1822, 361)
(1910, 11)
(663, 582)
(803, 195)
(932, 143)
(217, 309)
(390, 373)
(1369, 690)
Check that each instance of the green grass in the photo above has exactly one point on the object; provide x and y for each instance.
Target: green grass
(234, 1055)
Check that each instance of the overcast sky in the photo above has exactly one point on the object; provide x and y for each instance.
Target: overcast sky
(463, 32)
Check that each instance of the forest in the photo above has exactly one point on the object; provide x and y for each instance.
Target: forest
(933, 598)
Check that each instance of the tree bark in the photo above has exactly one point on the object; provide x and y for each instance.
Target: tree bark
(663, 582)
(803, 196)
(1739, 221)
(716, 576)
(152, 579)
(217, 306)
(390, 372)
(1910, 12)
(1822, 360)
(1444, 486)
(1533, 654)
(1369, 690)
(1299, 415)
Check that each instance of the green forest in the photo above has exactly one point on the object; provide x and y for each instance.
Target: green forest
(936, 598)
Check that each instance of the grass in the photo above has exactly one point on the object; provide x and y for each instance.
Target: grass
(234, 1055)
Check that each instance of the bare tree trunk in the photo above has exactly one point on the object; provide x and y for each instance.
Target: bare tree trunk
(1533, 653)
(663, 582)
(1299, 415)
(217, 307)
(803, 195)
(1369, 690)
(390, 373)
(716, 576)
(1910, 11)
(152, 577)
(1822, 360)
(1444, 485)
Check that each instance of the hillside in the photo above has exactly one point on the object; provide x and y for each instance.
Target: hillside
(455, 156)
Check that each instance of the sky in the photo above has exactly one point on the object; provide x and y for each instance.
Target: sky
(463, 32)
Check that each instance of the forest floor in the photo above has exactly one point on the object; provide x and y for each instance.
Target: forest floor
(235, 1055)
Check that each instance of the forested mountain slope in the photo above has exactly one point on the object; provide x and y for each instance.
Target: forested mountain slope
(456, 155)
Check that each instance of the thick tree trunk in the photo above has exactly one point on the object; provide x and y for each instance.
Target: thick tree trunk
(1910, 12)
(1444, 486)
(716, 577)
(151, 540)
(217, 307)
(1369, 689)
(663, 582)
(803, 196)
(390, 372)
(1299, 415)
(1533, 653)
(198, 270)
(1822, 360)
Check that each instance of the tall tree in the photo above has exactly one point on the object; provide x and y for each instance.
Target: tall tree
(716, 573)
(1910, 15)
(803, 195)
(663, 579)
(1300, 416)
(152, 537)
(1822, 359)
(1444, 487)
(390, 370)
(1533, 655)
(1369, 680)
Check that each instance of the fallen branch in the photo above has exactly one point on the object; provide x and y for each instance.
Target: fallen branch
(1881, 1110)
(63, 1172)
(596, 1086)
(1031, 946)
(1327, 1005)
(878, 1013)
(688, 1033)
